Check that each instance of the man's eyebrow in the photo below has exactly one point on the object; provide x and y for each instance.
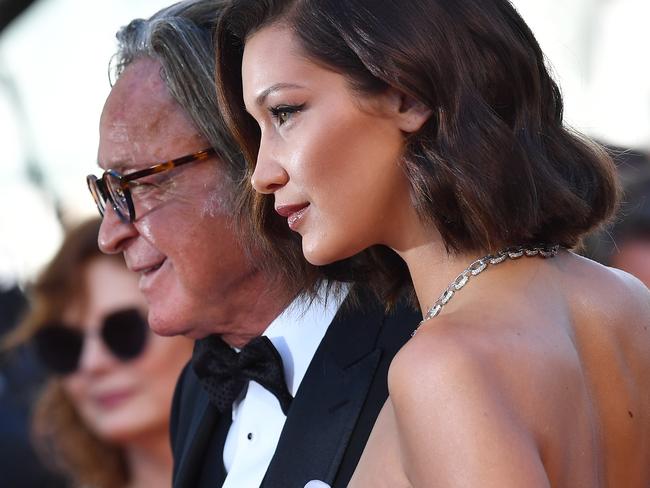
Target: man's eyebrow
(261, 98)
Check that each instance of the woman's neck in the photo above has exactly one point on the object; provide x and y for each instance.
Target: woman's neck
(432, 269)
(150, 461)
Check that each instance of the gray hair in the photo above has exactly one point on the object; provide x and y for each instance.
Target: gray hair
(180, 38)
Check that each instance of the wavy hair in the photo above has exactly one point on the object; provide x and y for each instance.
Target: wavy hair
(494, 166)
(61, 437)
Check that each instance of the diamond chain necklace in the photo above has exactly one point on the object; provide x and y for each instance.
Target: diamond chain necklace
(480, 265)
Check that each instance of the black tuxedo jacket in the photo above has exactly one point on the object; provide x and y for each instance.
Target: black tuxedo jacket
(329, 420)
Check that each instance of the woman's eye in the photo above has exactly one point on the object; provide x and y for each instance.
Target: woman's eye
(283, 113)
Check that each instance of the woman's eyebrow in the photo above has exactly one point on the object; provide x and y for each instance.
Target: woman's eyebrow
(261, 98)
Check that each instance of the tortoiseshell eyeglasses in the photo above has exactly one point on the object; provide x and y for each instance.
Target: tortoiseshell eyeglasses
(115, 188)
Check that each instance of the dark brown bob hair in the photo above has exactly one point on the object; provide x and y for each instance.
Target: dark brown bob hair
(494, 166)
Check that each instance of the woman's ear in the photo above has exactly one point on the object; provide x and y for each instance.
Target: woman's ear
(410, 114)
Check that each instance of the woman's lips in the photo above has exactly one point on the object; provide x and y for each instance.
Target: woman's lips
(293, 213)
(112, 399)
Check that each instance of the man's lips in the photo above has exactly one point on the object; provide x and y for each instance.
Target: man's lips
(146, 268)
(148, 272)
(293, 213)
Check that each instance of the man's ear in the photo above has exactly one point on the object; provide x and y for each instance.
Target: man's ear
(410, 114)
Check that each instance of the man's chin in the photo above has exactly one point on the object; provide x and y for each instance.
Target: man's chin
(163, 325)
(166, 326)
(166, 331)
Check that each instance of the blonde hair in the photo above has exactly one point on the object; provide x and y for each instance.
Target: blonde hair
(64, 441)
(60, 435)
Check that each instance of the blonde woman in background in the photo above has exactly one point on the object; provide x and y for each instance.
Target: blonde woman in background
(103, 417)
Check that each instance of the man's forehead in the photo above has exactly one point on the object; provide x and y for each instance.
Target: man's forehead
(143, 118)
(141, 75)
(139, 95)
(138, 110)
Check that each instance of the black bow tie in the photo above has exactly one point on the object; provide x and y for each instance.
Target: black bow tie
(224, 372)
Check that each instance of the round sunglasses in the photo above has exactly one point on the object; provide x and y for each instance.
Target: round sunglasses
(59, 346)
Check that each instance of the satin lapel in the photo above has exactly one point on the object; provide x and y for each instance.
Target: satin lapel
(202, 422)
(328, 402)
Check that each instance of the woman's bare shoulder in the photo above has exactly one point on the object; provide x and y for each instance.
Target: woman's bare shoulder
(488, 366)
(609, 291)
(618, 283)
(449, 351)
(456, 401)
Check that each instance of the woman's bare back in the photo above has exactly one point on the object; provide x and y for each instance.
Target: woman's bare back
(611, 332)
(539, 377)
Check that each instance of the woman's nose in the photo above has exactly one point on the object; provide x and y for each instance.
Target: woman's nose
(113, 232)
(95, 357)
(269, 176)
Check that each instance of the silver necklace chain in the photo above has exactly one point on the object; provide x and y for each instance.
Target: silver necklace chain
(480, 265)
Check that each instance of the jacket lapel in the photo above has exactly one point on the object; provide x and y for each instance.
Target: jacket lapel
(329, 401)
(200, 428)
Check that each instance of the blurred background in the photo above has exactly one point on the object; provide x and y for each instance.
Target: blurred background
(54, 57)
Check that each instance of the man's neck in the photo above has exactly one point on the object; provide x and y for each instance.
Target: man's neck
(261, 306)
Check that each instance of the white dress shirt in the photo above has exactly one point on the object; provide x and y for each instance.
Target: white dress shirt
(257, 419)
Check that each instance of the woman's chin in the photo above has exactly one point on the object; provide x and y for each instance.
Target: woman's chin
(313, 253)
(123, 435)
(321, 254)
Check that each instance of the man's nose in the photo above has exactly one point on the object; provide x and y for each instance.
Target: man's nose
(113, 233)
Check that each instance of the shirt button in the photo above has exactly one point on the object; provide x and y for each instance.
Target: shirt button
(250, 436)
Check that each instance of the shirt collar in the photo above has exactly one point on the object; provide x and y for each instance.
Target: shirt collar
(299, 329)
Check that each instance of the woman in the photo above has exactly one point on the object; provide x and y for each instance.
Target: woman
(103, 418)
(433, 127)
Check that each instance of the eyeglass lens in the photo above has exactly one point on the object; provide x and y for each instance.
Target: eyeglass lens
(97, 193)
(118, 195)
(108, 190)
(59, 346)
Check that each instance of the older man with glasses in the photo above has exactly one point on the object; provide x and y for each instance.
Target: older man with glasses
(286, 379)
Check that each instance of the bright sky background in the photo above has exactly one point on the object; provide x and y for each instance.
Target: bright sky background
(55, 58)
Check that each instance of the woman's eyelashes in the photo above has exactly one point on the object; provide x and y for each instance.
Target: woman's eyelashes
(282, 114)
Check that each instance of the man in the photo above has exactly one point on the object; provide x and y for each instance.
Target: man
(179, 226)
